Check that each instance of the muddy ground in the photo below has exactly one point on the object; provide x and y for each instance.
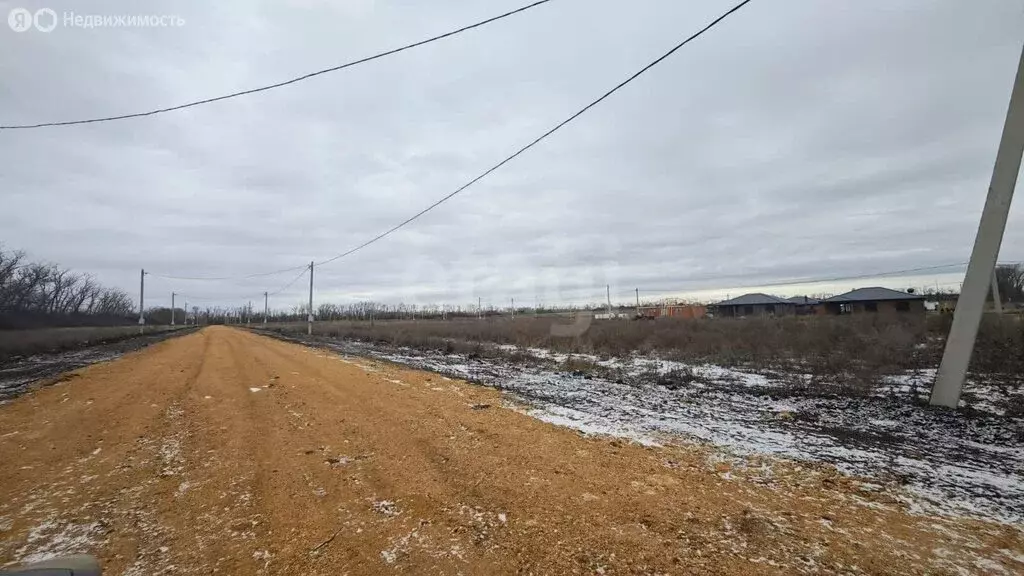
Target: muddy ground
(968, 462)
(19, 373)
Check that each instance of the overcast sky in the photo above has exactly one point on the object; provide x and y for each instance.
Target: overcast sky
(798, 139)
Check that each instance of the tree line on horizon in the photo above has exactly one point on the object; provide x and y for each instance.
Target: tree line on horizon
(42, 294)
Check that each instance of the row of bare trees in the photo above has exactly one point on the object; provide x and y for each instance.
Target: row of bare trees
(43, 294)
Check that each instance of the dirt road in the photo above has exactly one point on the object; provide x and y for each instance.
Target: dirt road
(227, 452)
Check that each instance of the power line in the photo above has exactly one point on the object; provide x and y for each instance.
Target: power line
(284, 83)
(219, 278)
(250, 297)
(289, 285)
(542, 137)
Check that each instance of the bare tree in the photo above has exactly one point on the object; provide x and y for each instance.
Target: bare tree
(1010, 279)
(33, 293)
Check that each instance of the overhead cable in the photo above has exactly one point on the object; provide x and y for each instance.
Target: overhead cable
(278, 84)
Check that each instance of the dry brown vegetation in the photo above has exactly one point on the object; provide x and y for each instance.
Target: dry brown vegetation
(843, 350)
(26, 342)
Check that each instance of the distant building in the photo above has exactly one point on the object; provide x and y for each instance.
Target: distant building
(756, 304)
(875, 299)
(689, 311)
(806, 305)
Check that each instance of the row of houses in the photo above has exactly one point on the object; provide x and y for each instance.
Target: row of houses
(862, 300)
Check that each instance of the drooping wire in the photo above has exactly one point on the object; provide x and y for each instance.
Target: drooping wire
(219, 278)
(250, 297)
(543, 136)
(284, 83)
(289, 285)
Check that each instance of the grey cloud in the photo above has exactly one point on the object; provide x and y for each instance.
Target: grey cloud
(798, 140)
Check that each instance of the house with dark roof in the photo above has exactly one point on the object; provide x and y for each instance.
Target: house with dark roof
(875, 300)
(755, 304)
(806, 306)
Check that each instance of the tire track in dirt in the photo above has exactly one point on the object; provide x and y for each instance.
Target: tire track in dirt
(209, 498)
(354, 450)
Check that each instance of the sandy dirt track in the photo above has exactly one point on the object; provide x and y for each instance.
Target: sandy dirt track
(231, 453)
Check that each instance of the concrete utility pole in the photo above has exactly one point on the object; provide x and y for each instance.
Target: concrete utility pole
(309, 319)
(479, 307)
(997, 303)
(186, 311)
(513, 307)
(608, 294)
(265, 309)
(967, 317)
(248, 314)
(637, 301)
(172, 308)
(142, 296)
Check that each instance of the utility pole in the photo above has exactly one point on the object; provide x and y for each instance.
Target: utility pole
(248, 314)
(513, 308)
(997, 303)
(637, 301)
(265, 309)
(967, 317)
(608, 294)
(186, 311)
(172, 308)
(142, 295)
(309, 319)
(479, 307)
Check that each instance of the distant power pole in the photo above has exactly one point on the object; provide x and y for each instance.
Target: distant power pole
(637, 301)
(186, 311)
(265, 309)
(479, 307)
(969, 307)
(608, 294)
(309, 319)
(142, 296)
(513, 307)
(172, 308)
(248, 314)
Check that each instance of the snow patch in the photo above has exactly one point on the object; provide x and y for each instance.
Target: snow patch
(53, 538)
